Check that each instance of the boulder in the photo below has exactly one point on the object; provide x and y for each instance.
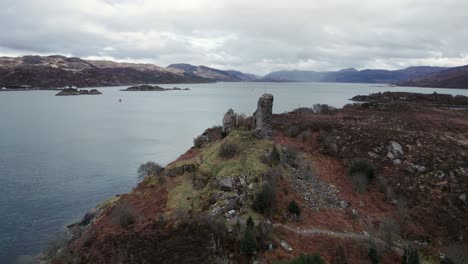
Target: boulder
(216, 210)
(419, 168)
(89, 216)
(344, 204)
(462, 197)
(225, 183)
(395, 148)
(323, 109)
(230, 204)
(286, 246)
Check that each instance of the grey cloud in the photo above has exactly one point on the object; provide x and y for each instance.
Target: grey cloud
(254, 36)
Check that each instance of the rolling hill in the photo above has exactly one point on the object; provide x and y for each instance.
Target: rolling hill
(456, 77)
(58, 71)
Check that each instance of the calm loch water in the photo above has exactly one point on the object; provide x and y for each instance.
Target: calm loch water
(60, 156)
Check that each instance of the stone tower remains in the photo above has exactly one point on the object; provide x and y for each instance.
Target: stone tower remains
(262, 118)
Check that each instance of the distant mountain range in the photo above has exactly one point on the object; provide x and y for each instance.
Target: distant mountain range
(59, 71)
(352, 75)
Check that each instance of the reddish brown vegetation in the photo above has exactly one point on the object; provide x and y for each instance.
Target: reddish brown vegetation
(431, 137)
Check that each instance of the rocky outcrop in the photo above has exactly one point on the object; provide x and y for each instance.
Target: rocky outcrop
(262, 117)
(180, 170)
(73, 91)
(68, 92)
(94, 92)
(209, 135)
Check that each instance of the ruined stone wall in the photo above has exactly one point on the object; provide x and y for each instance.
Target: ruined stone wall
(229, 121)
(263, 116)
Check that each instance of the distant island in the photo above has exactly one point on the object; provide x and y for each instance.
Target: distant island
(151, 88)
(73, 91)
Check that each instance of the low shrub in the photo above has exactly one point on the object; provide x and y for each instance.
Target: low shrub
(272, 158)
(293, 208)
(455, 254)
(329, 141)
(199, 141)
(293, 131)
(306, 259)
(265, 200)
(340, 256)
(389, 231)
(386, 188)
(317, 125)
(271, 177)
(306, 172)
(446, 260)
(228, 150)
(264, 231)
(304, 136)
(360, 182)
(362, 166)
(149, 168)
(402, 207)
(410, 255)
(243, 122)
(361, 172)
(373, 255)
(323, 109)
(123, 214)
(248, 242)
(290, 156)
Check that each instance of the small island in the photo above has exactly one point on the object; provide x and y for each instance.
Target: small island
(73, 91)
(151, 88)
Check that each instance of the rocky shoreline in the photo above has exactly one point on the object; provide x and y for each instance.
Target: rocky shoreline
(151, 88)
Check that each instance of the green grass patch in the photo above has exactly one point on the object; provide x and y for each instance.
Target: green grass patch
(248, 161)
(177, 196)
(109, 202)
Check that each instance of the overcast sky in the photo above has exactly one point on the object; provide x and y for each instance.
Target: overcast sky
(255, 36)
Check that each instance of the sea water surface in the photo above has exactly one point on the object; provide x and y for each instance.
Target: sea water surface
(61, 156)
